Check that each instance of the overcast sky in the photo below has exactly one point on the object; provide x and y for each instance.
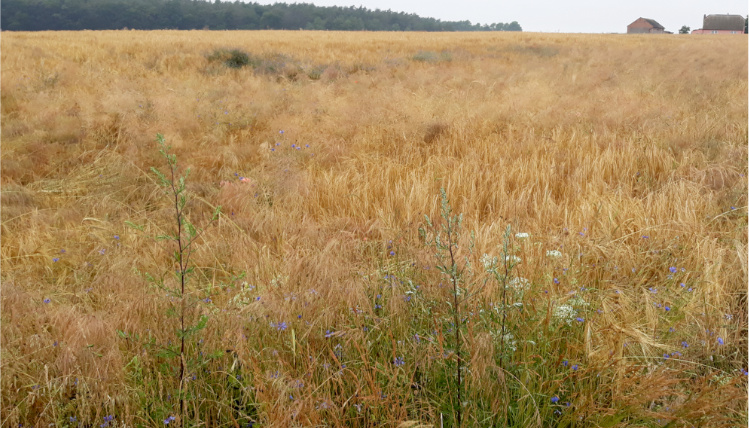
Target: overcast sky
(570, 16)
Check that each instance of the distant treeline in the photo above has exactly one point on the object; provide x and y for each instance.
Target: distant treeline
(40, 15)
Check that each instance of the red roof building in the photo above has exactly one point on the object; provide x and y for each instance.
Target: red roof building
(645, 26)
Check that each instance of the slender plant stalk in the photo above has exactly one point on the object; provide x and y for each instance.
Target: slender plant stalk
(456, 318)
(182, 276)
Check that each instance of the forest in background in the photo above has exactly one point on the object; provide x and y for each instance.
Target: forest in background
(45, 15)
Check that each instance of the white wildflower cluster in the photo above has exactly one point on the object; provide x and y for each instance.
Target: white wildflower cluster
(555, 254)
(513, 259)
(522, 235)
(520, 284)
(565, 313)
(488, 261)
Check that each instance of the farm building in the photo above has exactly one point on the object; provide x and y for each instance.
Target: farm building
(721, 24)
(645, 26)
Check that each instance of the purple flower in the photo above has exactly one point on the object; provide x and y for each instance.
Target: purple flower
(169, 419)
(574, 367)
(720, 341)
(668, 308)
(556, 281)
(329, 334)
(685, 344)
(672, 269)
(565, 363)
(645, 237)
(580, 319)
(554, 399)
(281, 326)
(116, 236)
(392, 253)
(55, 260)
(398, 361)
(47, 300)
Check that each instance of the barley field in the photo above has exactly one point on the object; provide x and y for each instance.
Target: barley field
(497, 229)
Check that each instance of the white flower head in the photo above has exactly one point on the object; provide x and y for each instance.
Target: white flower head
(522, 235)
(519, 283)
(513, 259)
(565, 313)
(555, 254)
(488, 261)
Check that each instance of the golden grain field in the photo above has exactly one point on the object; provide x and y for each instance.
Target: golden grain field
(625, 155)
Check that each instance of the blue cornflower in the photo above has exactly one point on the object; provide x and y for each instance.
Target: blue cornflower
(378, 306)
(47, 300)
(565, 363)
(580, 319)
(556, 281)
(169, 419)
(645, 237)
(398, 361)
(720, 341)
(379, 296)
(329, 334)
(672, 269)
(306, 145)
(392, 253)
(55, 260)
(281, 326)
(207, 300)
(299, 316)
(280, 132)
(116, 236)
(257, 298)
(102, 251)
(668, 308)
(554, 399)
(682, 285)
(73, 419)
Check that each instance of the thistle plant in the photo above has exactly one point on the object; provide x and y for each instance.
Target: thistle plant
(445, 239)
(183, 235)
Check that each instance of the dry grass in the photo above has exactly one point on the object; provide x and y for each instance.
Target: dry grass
(628, 154)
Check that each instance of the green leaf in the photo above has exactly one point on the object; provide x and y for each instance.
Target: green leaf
(134, 226)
